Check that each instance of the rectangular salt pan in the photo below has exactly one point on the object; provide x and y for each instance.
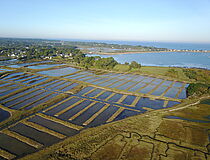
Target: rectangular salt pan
(59, 72)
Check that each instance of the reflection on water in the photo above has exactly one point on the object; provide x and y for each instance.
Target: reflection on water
(44, 66)
(4, 115)
(186, 119)
(207, 101)
(59, 72)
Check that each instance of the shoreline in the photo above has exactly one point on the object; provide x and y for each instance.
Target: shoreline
(140, 52)
(182, 67)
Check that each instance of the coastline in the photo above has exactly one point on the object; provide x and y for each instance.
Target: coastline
(140, 52)
(123, 58)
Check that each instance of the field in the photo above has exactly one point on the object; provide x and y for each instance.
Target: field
(124, 113)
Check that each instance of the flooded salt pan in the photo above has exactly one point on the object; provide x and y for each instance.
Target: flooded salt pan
(4, 115)
(59, 72)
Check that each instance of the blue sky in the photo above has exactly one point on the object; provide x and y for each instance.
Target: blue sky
(138, 20)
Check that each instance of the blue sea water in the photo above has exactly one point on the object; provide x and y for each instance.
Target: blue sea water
(169, 45)
(165, 59)
(173, 59)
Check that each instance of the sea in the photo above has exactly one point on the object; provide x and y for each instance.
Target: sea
(165, 59)
(169, 45)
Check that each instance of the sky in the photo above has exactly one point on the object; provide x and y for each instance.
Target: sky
(129, 20)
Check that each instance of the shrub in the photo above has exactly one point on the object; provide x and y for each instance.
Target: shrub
(122, 67)
(106, 63)
(198, 89)
(172, 73)
(134, 64)
(190, 74)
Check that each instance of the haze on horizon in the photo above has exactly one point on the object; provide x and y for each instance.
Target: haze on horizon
(136, 20)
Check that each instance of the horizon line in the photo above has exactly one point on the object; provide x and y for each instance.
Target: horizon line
(84, 39)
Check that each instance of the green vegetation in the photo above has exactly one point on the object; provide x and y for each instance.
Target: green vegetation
(132, 133)
(163, 72)
(94, 47)
(105, 63)
(202, 79)
(200, 75)
(190, 73)
(82, 60)
(122, 68)
(26, 49)
(197, 112)
(172, 73)
(140, 133)
(71, 54)
(198, 89)
(97, 62)
(135, 65)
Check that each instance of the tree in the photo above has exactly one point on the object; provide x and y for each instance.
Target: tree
(88, 61)
(198, 89)
(106, 63)
(134, 64)
(78, 58)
